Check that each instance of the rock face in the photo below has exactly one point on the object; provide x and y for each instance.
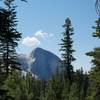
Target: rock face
(40, 62)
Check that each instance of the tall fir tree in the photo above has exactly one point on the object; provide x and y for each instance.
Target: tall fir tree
(2, 27)
(9, 37)
(67, 50)
(94, 74)
(95, 54)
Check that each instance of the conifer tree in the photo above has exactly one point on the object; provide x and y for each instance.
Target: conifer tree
(96, 53)
(22, 87)
(74, 92)
(54, 88)
(67, 50)
(81, 80)
(12, 84)
(97, 28)
(43, 90)
(2, 78)
(9, 37)
(94, 74)
(32, 87)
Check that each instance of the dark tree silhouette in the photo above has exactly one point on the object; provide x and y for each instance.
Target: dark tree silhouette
(66, 49)
(9, 37)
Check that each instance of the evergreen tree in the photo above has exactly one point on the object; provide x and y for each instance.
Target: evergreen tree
(97, 28)
(74, 92)
(3, 19)
(12, 84)
(66, 89)
(32, 87)
(3, 25)
(66, 49)
(94, 74)
(43, 90)
(9, 37)
(22, 87)
(96, 53)
(54, 88)
(81, 80)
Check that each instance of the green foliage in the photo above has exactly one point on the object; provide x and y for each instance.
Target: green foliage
(96, 57)
(94, 86)
(12, 85)
(97, 28)
(9, 37)
(54, 88)
(65, 85)
(66, 89)
(81, 81)
(66, 49)
(23, 87)
(74, 92)
(94, 74)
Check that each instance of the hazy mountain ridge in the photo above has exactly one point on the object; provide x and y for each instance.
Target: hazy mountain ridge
(40, 62)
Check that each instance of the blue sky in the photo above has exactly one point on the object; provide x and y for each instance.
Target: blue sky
(46, 17)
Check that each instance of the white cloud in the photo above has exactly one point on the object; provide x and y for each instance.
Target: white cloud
(40, 34)
(31, 41)
(34, 41)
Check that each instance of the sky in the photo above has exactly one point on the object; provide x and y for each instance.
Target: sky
(40, 22)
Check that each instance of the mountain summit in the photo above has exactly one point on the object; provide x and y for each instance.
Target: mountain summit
(40, 62)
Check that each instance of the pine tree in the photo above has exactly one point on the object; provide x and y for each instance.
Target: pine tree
(3, 24)
(81, 80)
(32, 87)
(96, 53)
(12, 84)
(54, 88)
(66, 49)
(94, 74)
(22, 87)
(3, 19)
(9, 37)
